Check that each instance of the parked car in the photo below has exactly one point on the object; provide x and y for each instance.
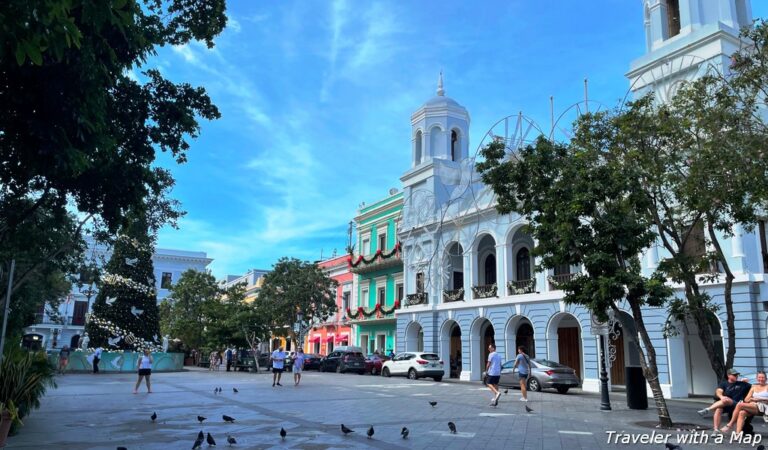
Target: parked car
(414, 365)
(312, 361)
(545, 374)
(374, 363)
(289, 357)
(265, 360)
(344, 359)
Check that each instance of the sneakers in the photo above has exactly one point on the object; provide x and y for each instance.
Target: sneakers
(523, 399)
(704, 412)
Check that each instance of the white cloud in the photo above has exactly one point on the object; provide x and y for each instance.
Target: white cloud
(233, 24)
(186, 52)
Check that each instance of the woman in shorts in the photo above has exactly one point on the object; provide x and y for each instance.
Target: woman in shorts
(145, 371)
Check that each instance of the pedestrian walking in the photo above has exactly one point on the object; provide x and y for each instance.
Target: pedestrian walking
(212, 361)
(96, 359)
(63, 359)
(145, 371)
(523, 365)
(228, 355)
(298, 365)
(278, 364)
(493, 372)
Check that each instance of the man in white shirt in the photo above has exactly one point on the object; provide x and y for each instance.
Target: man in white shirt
(278, 364)
(493, 369)
(96, 359)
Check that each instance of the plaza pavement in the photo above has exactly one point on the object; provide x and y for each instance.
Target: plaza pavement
(100, 412)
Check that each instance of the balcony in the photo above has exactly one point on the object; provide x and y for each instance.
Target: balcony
(556, 280)
(419, 298)
(380, 260)
(485, 291)
(521, 287)
(454, 295)
(44, 319)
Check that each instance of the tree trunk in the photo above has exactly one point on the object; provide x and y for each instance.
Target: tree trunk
(730, 317)
(650, 370)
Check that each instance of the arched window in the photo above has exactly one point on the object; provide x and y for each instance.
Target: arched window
(523, 265)
(490, 269)
(454, 146)
(417, 148)
(741, 13)
(673, 18)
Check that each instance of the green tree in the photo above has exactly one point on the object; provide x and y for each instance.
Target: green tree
(233, 321)
(74, 127)
(125, 314)
(294, 286)
(583, 209)
(183, 313)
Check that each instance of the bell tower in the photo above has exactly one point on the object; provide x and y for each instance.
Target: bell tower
(683, 38)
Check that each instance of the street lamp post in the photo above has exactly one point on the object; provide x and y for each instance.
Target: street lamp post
(605, 401)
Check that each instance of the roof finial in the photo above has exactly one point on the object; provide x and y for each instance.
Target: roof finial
(440, 90)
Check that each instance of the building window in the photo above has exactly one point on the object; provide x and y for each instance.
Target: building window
(382, 295)
(417, 148)
(764, 244)
(364, 297)
(523, 265)
(166, 281)
(673, 17)
(345, 301)
(382, 242)
(366, 247)
(400, 292)
(420, 282)
(694, 246)
(490, 269)
(381, 343)
(454, 146)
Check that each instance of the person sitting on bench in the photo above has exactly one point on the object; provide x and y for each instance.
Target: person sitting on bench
(754, 404)
(728, 394)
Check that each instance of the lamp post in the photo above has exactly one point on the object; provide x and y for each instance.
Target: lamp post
(299, 329)
(600, 329)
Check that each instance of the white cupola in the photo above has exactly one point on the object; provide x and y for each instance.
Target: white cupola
(440, 129)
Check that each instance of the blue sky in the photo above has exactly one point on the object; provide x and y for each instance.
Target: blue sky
(316, 98)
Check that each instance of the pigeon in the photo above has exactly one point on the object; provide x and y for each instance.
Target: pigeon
(370, 432)
(227, 418)
(111, 300)
(231, 440)
(200, 419)
(200, 435)
(283, 433)
(235, 390)
(452, 427)
(198, 442)
(404, 433)
(131, 261)
(122, 448)
(761, 447)
(215, 390)
(672, 446)
(346, 430)
(154, 416)
(528, 410)
(506, 391)
(433, 404)
(209, 439)
(136, 311)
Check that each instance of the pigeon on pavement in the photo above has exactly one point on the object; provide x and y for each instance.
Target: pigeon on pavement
(404, 433)
(452, 427)
(227, 418)
(283, 433)
(122, 448)
(528, 410)
(235, 390)
(433, 404)
(201, 418)
(209, 439)
(346, 430)
(198, 443)
(153, 416)
(506, 391)
(672, 446)
(370, 432)
(231, 440)
(200, 435)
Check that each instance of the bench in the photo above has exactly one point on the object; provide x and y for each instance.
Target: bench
(205, 361)
(245, 364)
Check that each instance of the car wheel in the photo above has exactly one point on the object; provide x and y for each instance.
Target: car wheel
(562, 389)
(385, 372)
(362, 372)
(338, 369)
(438, 379)
(412, 375)
(534, 385)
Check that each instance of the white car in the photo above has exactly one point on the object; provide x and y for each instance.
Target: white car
(414, 365)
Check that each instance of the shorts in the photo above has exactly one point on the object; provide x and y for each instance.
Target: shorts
(145, 372)
(493, 379)
(523, 376)
(276, 370)
(296, 369)
(63, 361)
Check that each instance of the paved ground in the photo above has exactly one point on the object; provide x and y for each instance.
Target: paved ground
(99, 412)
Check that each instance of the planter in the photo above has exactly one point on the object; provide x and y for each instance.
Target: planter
(5, 426)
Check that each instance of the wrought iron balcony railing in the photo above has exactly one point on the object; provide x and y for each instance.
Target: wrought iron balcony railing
(419, 298)
(455, 295)
(519, 287)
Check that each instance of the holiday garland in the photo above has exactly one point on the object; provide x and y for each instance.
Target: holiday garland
(110, 278)
(129, 338)
(378, 255)
(365, 312)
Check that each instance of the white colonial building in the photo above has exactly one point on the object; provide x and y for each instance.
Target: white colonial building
(66, 327)
(469, 274)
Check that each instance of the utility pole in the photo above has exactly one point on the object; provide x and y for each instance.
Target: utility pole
(7, 304)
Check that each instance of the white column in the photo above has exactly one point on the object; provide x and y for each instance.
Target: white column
(501, 269)
(469, 275)
(737, 249)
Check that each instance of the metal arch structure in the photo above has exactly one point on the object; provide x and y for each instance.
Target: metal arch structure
(561, 130)
(515, 130)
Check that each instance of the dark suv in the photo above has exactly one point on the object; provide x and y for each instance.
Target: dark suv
(341, 361)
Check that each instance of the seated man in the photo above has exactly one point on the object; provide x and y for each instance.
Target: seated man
(728, 393)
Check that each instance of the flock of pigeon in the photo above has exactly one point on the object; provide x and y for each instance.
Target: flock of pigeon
(207, 438)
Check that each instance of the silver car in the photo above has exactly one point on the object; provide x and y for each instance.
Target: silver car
(545, 374)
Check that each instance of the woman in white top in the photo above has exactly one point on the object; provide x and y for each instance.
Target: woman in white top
(145, 370)
(754, 404)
